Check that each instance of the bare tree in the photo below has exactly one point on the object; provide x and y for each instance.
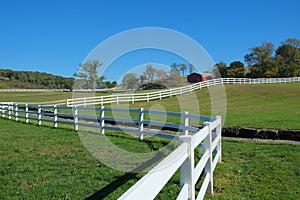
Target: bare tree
(161, 74)
(175, 79)
(130, 81)
(149, 73)
(191, 68)
(88, 74)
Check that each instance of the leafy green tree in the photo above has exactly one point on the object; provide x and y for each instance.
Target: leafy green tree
(220, 69)
(27, 80)
(261, 60)
(114, 84)
(260, 54)
(236, 69)
(130, 81)
(109, 84)
(88, 72)
(288, 58)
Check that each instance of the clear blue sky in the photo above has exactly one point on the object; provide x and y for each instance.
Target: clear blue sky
(54, 36)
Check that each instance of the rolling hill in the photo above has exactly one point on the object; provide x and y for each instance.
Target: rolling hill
(10, 79)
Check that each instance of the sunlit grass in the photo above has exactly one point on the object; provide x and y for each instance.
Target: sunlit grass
(48, 163)
(274, 106)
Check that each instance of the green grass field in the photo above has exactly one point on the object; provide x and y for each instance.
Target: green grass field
(47, 163)
(33, 96)
(274, 106)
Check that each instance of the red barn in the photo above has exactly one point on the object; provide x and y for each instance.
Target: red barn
(195, 78)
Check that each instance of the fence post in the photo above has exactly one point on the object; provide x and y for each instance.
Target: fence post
(191, 89)
(39, 115)
(102, 120)
(159, 95)
(9, 111)
(84, 102)
(3, 110)
(101, 99)
(147, 97)
(185, 123)
(219, 132)
(141, 123)
(16, 112)
(26, 113)
(67, 102)
(208, 167)
(76, 118)
(170, 93)
(187, 168)
(117, 98)
(132, 98)
(55, 116)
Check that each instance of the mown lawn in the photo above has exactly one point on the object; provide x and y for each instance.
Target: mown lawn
(274, 106)
(33, 96)
(47, 163)
(258, 171)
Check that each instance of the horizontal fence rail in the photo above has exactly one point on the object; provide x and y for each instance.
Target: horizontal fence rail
(182, 158)
(135, 97)
(207, 138)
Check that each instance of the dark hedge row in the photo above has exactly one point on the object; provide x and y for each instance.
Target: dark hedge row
(261, 133)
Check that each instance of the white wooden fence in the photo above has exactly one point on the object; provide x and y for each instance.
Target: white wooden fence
(157, 95)
(182, 158)
(208, 138)
(135, 97)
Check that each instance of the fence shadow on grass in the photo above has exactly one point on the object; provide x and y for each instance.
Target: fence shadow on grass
(108, 189)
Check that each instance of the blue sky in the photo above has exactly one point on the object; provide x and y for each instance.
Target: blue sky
(55, 36)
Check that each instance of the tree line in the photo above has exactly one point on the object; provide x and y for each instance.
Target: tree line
(87, 75)
(30, 80)
(265, 62)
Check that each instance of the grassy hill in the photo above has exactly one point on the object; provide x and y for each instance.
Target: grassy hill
(274, 106)
(24, 79)
(47, 163)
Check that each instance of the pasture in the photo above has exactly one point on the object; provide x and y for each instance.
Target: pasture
(47, 163)
(273, 106)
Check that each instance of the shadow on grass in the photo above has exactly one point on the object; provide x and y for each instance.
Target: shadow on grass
(108, 189)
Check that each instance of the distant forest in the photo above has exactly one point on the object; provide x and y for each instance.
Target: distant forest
(31, 80)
